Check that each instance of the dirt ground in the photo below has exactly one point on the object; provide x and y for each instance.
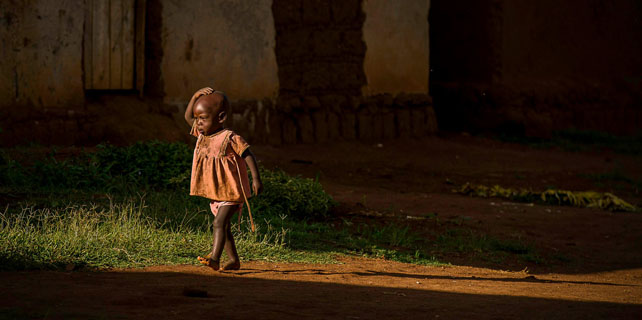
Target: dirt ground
(600, 278)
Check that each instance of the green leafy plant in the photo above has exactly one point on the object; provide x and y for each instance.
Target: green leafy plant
(144, 165)
(294, 197)
(152, 164)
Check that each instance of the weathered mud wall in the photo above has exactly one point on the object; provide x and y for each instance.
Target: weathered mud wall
(396, 36)
(296, 71)
(41, 53)
(41, 79)
(532, 68)
(320, 51)
(228, 45)
(319, 47)
(154, 86)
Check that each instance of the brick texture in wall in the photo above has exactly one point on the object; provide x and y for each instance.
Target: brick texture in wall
(319, 47)
(320, 53)
(366, 119)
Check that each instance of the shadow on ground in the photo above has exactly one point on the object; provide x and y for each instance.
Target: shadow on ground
(158, 295)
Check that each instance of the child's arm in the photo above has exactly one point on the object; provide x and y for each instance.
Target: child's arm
(189, 114)
(249, 158)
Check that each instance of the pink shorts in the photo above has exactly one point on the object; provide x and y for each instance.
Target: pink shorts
(215, 205)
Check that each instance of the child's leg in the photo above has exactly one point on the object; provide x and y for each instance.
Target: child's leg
(234, 262)
(221, 224)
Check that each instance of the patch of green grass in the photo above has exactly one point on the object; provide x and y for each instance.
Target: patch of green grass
(171, 228)
(474, 243)
(129, 207)
(390, 235)
(87, 236)
(426, 243)
(126, 233)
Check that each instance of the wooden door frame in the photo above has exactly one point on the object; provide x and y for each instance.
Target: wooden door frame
(139, 45)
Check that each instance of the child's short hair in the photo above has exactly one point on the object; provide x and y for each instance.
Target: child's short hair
(225, 104)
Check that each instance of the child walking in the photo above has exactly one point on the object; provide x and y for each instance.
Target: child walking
(218, 172)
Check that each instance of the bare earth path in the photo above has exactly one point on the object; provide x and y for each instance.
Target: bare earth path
(358, 289)
(602, 281)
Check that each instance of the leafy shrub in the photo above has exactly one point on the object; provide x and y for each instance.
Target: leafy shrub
(11, 172)
(294, 197)
(145, 163)
(158, 166)
(142, 165)
(77, 173)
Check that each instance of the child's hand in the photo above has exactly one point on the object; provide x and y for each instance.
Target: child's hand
(189, 116)
(257, 186)
(202, 92)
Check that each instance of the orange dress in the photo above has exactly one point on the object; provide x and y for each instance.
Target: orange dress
(218, 171)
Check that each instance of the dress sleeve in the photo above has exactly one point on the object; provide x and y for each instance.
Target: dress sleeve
(238, 144)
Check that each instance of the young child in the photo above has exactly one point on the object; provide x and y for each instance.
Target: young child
(218, 172)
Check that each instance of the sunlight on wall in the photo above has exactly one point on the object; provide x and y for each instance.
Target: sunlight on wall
(228, 45)
(396, 36)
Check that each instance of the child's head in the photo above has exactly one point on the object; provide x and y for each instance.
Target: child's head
(210, 112)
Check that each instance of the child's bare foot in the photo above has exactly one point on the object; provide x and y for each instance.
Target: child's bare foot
(214, 264)
(232, 265)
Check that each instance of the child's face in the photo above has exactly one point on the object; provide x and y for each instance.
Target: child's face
(209, 114)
